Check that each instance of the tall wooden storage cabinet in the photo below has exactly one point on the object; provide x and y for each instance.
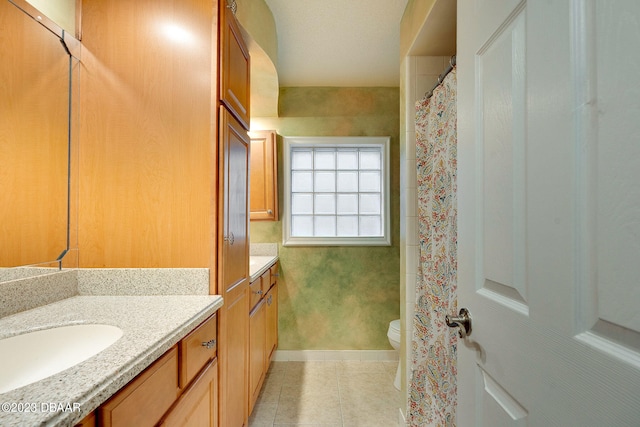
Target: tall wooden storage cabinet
(163, 180)
(233, 224)
(165, 152)
(233, 270)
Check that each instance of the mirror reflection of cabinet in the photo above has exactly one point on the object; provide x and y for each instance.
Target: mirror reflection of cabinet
(34, 133)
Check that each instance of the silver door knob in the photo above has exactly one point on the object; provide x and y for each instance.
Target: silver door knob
(462, 322)
(209, 344)
(230, 238)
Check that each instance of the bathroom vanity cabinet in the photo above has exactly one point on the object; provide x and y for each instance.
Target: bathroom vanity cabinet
(264, 176)
(263, 329)
(180, 388)
(272, 316)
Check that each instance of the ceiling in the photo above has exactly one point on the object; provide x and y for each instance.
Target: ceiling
(338, 42)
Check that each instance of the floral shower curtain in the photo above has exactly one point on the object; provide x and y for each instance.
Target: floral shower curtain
(432, 388)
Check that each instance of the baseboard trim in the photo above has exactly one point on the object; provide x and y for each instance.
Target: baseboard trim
(333, 355)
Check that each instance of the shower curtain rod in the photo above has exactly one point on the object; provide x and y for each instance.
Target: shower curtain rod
(452, 63)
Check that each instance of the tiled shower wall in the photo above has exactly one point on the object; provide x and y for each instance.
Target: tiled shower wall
(418, 75)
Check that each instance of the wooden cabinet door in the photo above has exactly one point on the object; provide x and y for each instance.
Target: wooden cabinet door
(234, 67)
(234, 353)
(198, 406)
(233, 239)
(264, 176)
(257, 347)
(146, 398)
(271, 324)
(233, 270)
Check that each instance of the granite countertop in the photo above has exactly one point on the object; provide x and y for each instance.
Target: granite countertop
(259, 264)
(151, 325)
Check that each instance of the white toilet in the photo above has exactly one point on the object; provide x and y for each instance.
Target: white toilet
(394, 339)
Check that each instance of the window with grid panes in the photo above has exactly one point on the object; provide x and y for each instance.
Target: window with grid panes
(336, 191)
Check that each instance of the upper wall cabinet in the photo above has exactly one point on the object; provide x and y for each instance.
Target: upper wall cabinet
(234, 68)
(264, 177)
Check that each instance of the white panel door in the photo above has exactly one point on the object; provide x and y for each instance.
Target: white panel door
(549, 212)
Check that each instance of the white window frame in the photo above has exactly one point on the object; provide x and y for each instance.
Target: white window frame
(382, 142)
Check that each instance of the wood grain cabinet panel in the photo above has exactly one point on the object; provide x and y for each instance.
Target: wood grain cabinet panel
(198, 406)
(147, 398)
(155, 395)
(234, 68)
(256, 292)
(234, 380)
(197, 348)
(257, 348)
(233, 222)
(274, 274)
(271, 324)
(264, 177)
(234, 174)
(263, 331)
(88, 421)
(147, 128)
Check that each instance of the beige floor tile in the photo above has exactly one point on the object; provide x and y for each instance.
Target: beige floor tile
(358, 382)
(277, 366)
(369, 409)
(391, 367)
(309, 410)
(270, 392)
(311, 386)
(350, 366)
(264, 414)
(328, 394)
(308, 425)
(309, 369)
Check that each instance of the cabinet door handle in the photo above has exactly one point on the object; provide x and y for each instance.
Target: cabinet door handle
(269, 211)
(209, 344)
(230, 238)
(257, 292)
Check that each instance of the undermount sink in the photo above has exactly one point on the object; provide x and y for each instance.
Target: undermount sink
(34, 356)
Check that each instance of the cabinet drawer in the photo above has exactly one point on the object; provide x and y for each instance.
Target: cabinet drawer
(274, 274)
(197, 348)
(266, 282)
(145, 399)
(256, 292)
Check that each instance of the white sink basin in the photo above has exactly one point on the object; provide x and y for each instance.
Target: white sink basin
(31, 357)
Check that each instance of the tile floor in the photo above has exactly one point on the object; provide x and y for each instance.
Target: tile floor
(328, 394)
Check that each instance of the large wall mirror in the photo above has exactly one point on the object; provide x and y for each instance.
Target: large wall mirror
(36, 126)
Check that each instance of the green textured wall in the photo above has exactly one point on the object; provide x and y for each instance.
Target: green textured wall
(337, 298)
